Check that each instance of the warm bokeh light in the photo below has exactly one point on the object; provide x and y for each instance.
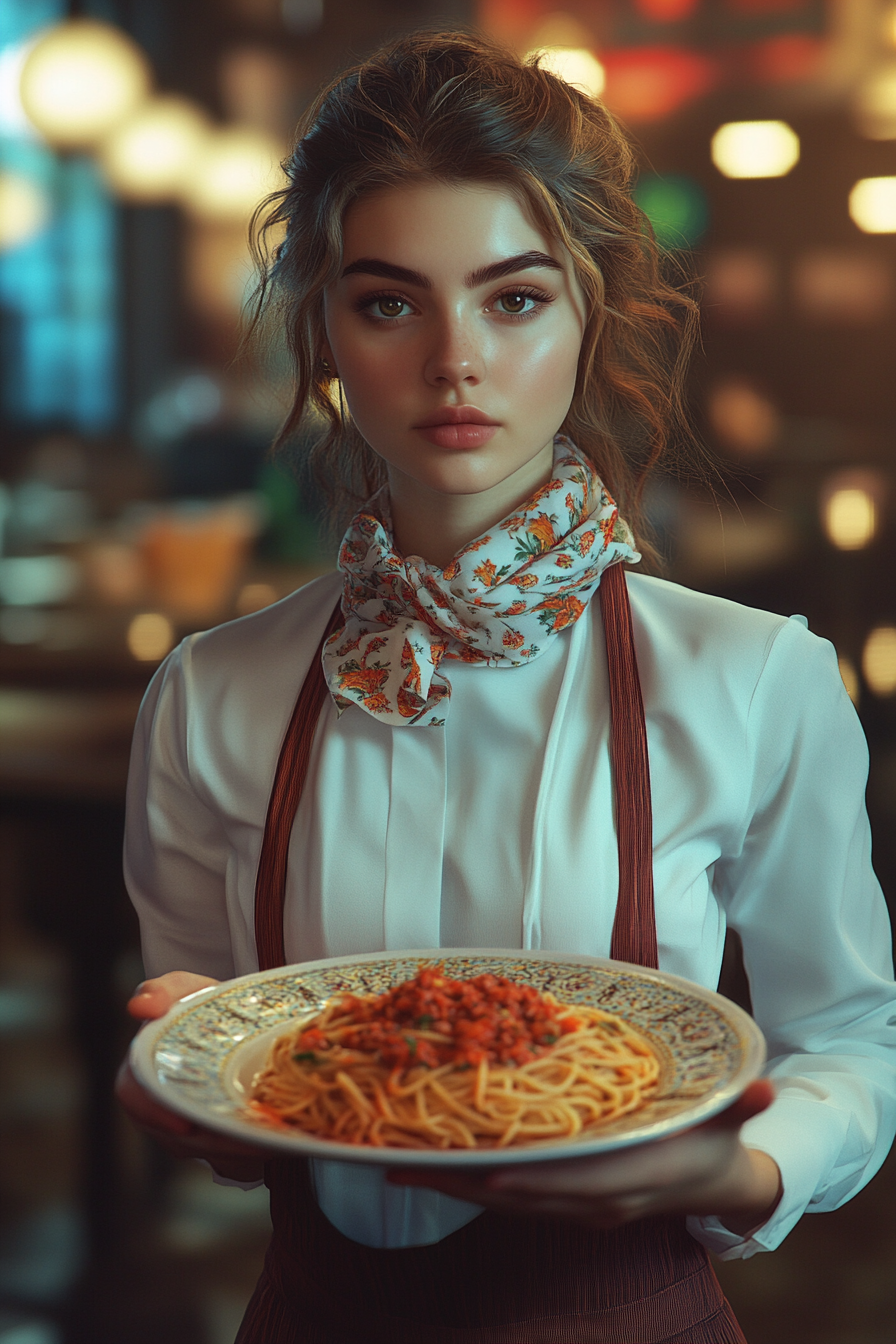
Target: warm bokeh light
(152, 154)
(850, 519)
(875, 104)
(577, 66)
(872, 204)
(24, 210)
(253, 597)
(788, 58)
(666, 11)
(849, 677)
(840, 285)
(742, 417)
(879, 660)
(851, 503)
(150, 636)
(238, 166)
(647, 83)
(755, 149)
(80, 80)
(741, 284)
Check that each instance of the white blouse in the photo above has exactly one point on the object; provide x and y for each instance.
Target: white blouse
(497, 831)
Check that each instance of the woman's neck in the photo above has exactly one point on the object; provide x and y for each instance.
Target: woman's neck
(436, 525)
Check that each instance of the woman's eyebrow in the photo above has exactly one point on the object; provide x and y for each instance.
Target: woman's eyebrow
(523, 261)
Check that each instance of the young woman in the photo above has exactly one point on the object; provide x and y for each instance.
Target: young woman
(477, 317)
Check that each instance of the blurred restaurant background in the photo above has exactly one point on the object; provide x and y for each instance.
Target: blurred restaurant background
(138, 503)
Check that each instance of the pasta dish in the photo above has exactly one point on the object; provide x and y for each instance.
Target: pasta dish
(441, 1063)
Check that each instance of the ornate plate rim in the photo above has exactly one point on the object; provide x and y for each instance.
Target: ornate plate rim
(296, 1144)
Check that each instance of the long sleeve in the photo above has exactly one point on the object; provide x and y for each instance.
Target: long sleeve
(802, 894)
(176, 853)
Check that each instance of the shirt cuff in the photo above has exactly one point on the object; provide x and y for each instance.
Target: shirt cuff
(805, 1137)
(226, 1180)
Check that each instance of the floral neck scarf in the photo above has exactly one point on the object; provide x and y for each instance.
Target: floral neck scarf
(497, 603)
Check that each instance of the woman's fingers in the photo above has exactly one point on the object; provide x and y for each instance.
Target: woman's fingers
(704, 1169)
(180, 1136)
(144, 1109)
(153, 998)
(183, 1138)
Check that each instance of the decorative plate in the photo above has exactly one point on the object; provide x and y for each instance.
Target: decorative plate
(200, 1059)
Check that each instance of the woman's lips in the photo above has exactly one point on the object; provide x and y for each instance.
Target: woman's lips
(465, 435)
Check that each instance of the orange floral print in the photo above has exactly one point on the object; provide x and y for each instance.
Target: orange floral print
(542, 528)
(513, 639)
(561, 611)
(409, 703)
(608, 525)
(543, 491)
(486, 573)
(367, 680)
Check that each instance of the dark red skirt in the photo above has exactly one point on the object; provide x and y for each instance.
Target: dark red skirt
(497, 1280)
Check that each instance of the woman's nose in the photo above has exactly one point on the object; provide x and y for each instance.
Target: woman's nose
(455, 358)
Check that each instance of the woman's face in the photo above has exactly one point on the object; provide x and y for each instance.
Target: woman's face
(455, 328)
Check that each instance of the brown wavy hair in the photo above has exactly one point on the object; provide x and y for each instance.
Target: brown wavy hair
(455, 107)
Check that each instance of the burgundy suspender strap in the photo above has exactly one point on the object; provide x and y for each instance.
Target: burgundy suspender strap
(289, 780)
(634, 929)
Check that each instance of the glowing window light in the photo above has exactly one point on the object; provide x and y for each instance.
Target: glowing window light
(80, 79)
(24, 209)
(755, 149)
(850, 677)
(879, 660)
(150, 156)
(576, 65)
(13, 120)
(872, 204)
(150, 636)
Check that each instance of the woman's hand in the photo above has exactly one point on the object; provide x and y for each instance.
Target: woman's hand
(237, 1161)
(705, 1170)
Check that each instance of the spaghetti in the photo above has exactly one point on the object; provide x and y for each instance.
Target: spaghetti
(442, 1063)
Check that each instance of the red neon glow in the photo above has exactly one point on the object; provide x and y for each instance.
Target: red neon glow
(666, 11)
(510, 20)
(644, 83)
(791, 58)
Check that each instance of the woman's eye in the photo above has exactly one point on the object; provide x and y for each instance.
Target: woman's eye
(388, 306)
(521, 302)
(514, 303)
